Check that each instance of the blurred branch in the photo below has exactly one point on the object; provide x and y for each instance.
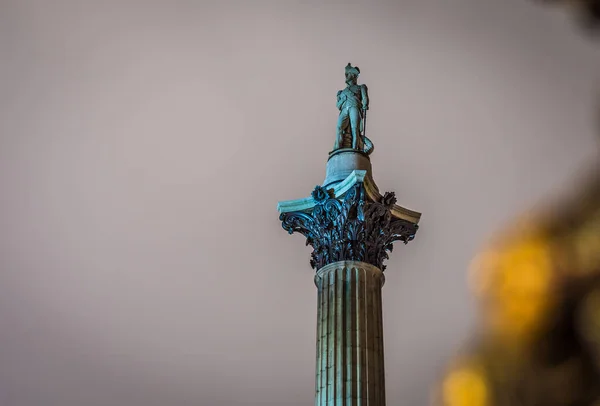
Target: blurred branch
(586, 11)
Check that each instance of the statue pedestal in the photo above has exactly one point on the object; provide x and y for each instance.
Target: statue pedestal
(343, 162)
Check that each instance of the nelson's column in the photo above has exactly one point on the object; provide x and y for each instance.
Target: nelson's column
(351, 228)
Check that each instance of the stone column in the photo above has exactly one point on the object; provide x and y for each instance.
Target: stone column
(349, 368)
(351, 229)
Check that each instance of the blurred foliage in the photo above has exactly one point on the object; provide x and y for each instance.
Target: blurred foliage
(538, 289)
(586, 11)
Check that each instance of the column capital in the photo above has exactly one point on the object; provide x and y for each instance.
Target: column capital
(352, 226)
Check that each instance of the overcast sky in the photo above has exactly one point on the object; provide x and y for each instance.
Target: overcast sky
(144, 147)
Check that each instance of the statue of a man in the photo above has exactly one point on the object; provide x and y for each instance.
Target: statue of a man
(353, 101)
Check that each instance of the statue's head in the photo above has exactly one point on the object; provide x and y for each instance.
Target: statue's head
(352, 73)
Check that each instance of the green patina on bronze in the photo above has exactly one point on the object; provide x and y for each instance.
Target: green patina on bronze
(353, 103)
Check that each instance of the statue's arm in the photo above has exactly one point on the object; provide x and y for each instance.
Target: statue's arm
(339, 100)
(365, 97)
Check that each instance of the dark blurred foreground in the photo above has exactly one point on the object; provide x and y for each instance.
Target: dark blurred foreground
(587, 12)
(538, 288)
(538, 291)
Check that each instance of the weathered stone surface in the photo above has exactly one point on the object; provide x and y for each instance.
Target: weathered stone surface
(343, 162)
(349, 364)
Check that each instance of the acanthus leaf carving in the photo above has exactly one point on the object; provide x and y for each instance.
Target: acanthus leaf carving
(351, 228)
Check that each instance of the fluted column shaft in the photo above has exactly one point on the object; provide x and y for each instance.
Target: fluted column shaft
(350, 368)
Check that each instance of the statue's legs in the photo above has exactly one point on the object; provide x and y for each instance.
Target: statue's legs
(355, 118)
(342, 125)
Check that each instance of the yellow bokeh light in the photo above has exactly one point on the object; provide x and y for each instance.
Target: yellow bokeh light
(514, 282)
(465, 386)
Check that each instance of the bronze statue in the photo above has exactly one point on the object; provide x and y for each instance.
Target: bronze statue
(353, 103)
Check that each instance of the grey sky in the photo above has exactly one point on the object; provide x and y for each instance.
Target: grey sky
(144, 146)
